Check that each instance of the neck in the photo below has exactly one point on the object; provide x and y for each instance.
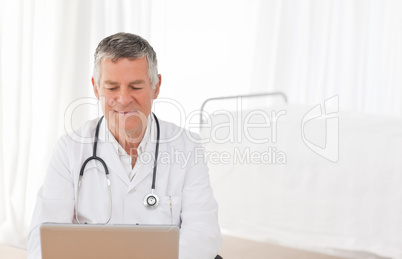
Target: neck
(128, 141)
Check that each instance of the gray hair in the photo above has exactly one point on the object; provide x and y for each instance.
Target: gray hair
(126, 45)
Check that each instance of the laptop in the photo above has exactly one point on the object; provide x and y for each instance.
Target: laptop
(82, 241)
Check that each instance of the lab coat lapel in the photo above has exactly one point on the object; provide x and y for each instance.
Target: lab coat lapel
(148, 165)
(143, 173)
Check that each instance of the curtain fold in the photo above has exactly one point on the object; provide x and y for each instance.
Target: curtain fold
(2, 169)
(16, 110)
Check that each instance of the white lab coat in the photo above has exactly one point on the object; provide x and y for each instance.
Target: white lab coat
(184, 190)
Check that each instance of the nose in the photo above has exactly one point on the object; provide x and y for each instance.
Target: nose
(124, 97)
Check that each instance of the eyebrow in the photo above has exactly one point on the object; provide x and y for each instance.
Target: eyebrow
(109, 82)
(135, 82)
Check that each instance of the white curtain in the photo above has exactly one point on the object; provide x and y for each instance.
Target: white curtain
(311, 50)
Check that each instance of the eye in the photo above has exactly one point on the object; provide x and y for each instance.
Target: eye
(111, 88)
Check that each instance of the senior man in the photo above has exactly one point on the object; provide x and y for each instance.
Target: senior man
(126, 81)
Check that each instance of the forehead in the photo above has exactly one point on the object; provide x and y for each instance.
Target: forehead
(124, 67)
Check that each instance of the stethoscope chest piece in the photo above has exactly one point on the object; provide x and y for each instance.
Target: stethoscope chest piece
(151, 201)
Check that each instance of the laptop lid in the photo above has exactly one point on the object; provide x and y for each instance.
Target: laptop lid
(79, 241)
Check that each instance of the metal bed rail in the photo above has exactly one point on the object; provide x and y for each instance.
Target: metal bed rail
(241, 96)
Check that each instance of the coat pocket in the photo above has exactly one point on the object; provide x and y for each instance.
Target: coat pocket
(171, 206)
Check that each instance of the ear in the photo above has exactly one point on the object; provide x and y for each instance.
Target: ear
(95, 88)
(157, 87)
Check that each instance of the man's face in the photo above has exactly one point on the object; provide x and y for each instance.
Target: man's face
(126, 94)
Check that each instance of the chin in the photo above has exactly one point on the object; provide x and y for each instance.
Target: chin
(132, 125)
(129, 123)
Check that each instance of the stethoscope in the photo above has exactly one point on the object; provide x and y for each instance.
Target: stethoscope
(151, 201)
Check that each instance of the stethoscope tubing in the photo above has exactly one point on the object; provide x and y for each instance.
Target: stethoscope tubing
(150, 197)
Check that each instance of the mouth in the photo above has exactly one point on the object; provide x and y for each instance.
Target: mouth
(125, 112)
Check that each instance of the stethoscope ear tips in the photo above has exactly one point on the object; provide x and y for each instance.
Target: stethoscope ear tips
(151, 201)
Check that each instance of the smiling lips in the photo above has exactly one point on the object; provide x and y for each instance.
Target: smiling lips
(124, 112)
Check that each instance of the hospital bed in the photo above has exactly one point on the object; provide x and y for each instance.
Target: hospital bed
(312, 178)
